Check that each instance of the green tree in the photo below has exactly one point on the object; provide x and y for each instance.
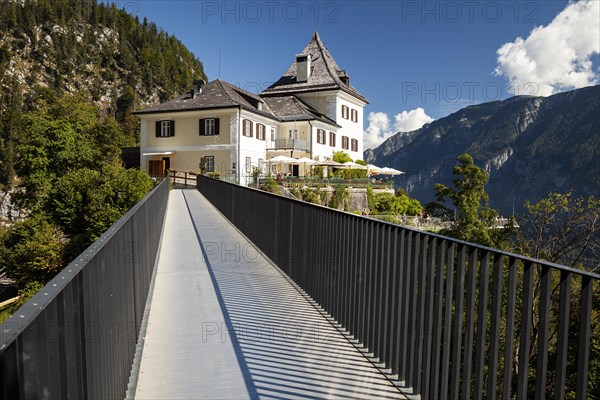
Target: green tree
(562, 229)
(86, 202)
(475, 219)
(341, 157)
(32, 250)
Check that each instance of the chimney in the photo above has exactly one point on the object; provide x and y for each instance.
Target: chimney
(343, 75)
(199, 85)
(302, 67)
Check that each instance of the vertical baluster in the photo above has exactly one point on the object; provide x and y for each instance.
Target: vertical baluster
(482, 308)
(495, 327)
(429, 300)
(562, 344)
(469, 325)
(412, 315)
(510, 325)
(445, 364)
(543, 333)
(405, 313)
(400, 265)
(395, 337)
(458, 323)
(437, 320)
(583, 359)
(526, 310)
(420, 328)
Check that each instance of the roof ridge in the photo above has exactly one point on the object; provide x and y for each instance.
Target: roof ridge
(224, 91)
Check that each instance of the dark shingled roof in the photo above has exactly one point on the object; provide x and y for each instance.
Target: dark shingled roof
(290, 108)
(215, 94)
(325, 74)
(220, 94)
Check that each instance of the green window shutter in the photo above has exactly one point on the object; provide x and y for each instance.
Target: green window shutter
(157, 128)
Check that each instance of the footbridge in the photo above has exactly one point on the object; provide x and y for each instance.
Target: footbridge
(226, 292)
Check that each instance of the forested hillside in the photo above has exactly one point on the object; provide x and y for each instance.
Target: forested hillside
(80, 46)
(71, 72)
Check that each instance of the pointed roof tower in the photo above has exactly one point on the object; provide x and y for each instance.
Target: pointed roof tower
(313, 70)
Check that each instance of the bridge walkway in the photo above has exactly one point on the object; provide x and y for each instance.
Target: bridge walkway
(224, 323)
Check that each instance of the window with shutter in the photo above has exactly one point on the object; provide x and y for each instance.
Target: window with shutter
(209, 163)
(260, 131)
(209, 126)
(354, 145)
(321, 136)
(344, 111)
(354, 115)
(247, 129)
(345, 142)
(332, 139)
(165, 128)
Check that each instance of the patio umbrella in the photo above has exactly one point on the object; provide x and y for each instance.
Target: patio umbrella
(373, 169)
(306, 160)
(352, 165)
(329, 163)
(389, 171)
(282, 160)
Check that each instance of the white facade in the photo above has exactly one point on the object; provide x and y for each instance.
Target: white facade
(310, 122)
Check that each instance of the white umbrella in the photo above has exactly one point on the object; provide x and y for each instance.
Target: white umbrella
(352, 165)
(282, 160)
(329, 163)
(372, 169)
(389, 171)
(306, 160)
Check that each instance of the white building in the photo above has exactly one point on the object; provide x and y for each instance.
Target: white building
(311, 111)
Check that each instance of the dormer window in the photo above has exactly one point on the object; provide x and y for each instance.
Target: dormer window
(302, 67)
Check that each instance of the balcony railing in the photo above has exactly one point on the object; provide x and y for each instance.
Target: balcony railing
(76, 338)
(450, 319)
(290, 144)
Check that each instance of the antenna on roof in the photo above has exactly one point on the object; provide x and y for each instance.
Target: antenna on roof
(219, 63)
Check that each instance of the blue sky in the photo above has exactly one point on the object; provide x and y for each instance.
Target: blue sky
(414, 60)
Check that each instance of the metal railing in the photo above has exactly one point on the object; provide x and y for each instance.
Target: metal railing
(295, 144)
(185, 178)
(76, 337)
(451, 319)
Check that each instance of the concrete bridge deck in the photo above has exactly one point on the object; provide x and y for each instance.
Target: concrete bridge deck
(224, 323)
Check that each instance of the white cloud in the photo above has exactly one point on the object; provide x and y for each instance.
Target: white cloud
(555, 57)
(380, 130)
(408, 121)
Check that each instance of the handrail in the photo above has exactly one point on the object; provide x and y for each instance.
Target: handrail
(177, 176)
(76, 337)
(433, 309)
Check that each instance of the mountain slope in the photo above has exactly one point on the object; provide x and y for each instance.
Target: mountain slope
(529, 145)
(52, 47)
(76, 45)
